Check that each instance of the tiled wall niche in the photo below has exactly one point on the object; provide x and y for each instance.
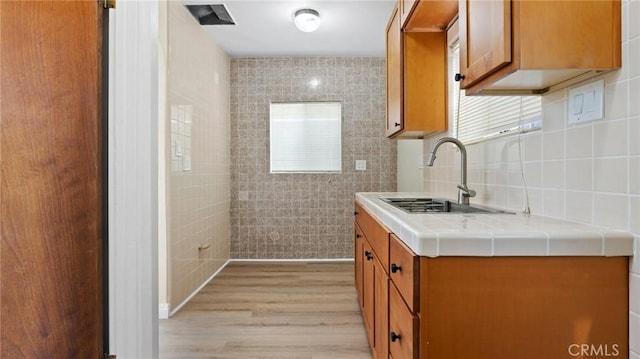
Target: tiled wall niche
(297, 216)
(587, 173)
(197, 158)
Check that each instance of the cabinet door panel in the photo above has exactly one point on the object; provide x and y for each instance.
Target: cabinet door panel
(368, 278)
(394, 75)
(381, 312)
(404, 272)
(403, 327)
(358, 259)
(405, 9)
(485, 38)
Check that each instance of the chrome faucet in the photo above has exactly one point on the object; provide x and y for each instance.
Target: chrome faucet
(463, 191)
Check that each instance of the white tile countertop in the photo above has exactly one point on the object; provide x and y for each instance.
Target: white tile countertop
(477, 234)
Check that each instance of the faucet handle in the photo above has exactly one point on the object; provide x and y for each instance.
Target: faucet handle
(467, 192)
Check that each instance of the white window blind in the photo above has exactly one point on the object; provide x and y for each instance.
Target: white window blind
(306, 137)
(482, 117)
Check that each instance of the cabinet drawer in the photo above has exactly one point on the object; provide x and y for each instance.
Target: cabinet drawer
(377, 235)
(404, 272)
(403, 328)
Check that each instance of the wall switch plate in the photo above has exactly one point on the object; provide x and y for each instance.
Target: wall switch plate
(361, 165)
(586, 103)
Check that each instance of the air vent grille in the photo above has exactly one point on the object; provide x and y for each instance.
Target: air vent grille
(211, 14)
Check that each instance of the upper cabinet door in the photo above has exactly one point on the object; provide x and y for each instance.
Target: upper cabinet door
(394, 75)
(405, 9)
(489, 47)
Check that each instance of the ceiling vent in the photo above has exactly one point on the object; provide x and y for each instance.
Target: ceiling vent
(211, 14)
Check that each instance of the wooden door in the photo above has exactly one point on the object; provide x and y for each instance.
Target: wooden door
(394, 74)
(51, 179)
(485, 38)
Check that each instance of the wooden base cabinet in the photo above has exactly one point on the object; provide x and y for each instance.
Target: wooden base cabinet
(488, 307)
(373, 239)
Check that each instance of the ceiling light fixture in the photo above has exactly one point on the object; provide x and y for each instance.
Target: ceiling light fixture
(307, 20)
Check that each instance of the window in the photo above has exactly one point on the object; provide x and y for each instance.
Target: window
(306, 137)
(478, 118)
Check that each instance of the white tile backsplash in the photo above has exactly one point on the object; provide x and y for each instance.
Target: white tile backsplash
(532, 144)
(579, 206)
(634, 220)
(553, 174)
(610, 175)
(611, 211)
(578, 174)
(633, 64)
(616, 98)
(580, 141)
(634, 332)
(553, 203)
(553, 145)
(611, 139)
(634, 135)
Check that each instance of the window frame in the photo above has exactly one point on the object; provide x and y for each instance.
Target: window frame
(329, 169)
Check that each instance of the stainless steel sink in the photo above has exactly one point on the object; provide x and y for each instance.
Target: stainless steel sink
(436, 205)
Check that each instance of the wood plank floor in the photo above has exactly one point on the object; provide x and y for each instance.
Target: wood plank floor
(279, 310)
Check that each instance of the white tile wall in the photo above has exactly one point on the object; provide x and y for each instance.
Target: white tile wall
(198, 180)
(589, 173)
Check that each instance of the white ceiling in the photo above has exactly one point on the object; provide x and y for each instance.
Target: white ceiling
(264, 28)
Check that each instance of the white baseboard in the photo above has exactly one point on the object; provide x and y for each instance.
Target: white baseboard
(198, 289)
(164, 311)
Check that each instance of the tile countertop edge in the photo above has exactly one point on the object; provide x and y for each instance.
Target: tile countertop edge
(490, 235)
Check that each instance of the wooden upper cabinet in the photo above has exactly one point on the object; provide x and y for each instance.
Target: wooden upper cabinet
(394, 74)
(405, 9)
(427, 15)
(513, 46)
(490, 47)
(416, 81)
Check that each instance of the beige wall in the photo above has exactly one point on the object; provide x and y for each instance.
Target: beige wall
(304, 215)
(588, 173)
(197, 155)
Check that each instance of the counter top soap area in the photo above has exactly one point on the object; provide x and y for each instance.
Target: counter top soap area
(492, 234)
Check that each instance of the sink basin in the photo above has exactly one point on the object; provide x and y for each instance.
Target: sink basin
(436, 205)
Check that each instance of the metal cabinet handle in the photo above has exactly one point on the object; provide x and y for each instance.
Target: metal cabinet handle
(368, 255)
(393, 336)
(395, 268)
(458, 77)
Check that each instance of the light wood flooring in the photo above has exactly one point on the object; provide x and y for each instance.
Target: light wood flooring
(279, 310)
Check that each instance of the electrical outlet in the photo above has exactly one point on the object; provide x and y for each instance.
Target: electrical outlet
(361, 165)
